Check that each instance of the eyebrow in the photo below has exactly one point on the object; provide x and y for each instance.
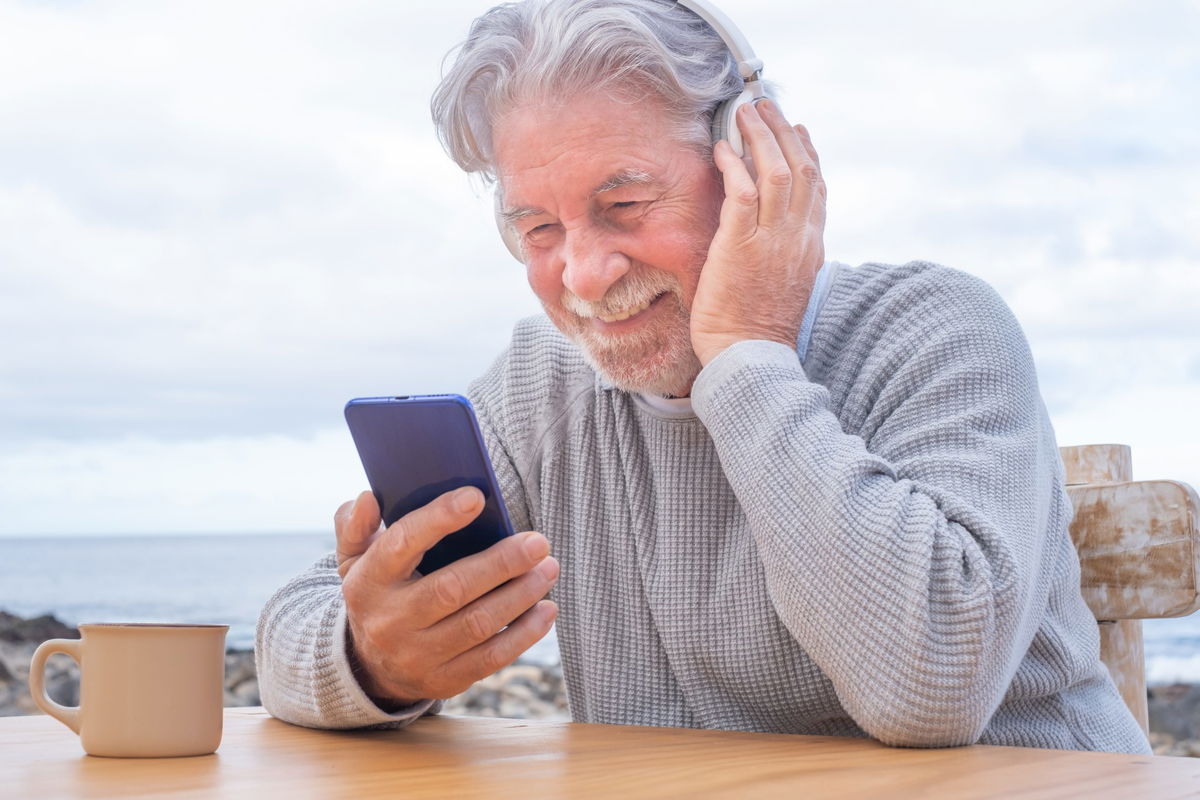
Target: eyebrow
(624, 177)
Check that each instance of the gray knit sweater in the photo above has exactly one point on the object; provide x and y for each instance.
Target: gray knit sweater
(869, 543)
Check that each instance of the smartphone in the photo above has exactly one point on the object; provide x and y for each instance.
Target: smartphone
(417, 447)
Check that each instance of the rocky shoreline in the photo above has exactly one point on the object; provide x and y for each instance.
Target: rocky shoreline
(521, 691)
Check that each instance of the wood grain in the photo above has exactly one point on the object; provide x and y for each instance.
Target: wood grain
(463, 757)
(1138, 549)
(1097, 463)
(1122, 653)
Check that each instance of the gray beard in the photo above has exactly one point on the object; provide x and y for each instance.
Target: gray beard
(662, 365)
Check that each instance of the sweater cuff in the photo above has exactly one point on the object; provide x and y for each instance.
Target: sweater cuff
(355, 702)
(734, 366)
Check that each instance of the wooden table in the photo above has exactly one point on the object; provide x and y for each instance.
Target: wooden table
(472, 757)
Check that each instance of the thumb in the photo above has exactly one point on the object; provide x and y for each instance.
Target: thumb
(355, 523)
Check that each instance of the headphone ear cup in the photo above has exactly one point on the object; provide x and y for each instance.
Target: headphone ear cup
(507, 234)
(724, 122)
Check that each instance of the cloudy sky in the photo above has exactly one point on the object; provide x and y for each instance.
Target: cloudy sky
(220, 220)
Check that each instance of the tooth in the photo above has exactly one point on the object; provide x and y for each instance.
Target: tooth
(620, 315)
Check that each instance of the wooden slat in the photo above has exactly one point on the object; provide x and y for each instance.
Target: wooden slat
(1121, 648)
(1138, 548)
(1097, 463)
(1122, 653)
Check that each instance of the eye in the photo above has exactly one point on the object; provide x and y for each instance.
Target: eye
(624, 204)
(540, 234)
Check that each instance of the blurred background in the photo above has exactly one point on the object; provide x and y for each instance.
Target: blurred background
(221, 220)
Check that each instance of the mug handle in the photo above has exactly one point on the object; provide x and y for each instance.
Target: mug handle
(67, 715)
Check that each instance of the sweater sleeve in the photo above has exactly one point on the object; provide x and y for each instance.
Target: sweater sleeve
(907, 557)
(304, 672)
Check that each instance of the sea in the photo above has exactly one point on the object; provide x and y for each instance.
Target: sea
(227, 578)
(219, 578)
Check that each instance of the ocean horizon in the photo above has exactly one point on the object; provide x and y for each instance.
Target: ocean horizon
(221, 578)
(228, 577)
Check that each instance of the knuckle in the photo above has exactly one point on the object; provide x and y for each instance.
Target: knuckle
(399, 535)
(409, 533)
(780, 176)
(444, 507)
(812, 173)
(448, 588)
(479, 623)
(494, 657)
(512, 560)
(747, 196)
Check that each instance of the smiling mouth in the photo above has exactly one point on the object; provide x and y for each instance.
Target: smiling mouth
(632, 311)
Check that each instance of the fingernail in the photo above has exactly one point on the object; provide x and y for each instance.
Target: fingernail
(548, 569)
(464, 499)
(536, 545)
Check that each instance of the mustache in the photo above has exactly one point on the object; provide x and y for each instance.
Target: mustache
(632, 290)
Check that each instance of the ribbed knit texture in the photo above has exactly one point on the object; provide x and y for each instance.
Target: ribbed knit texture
(873, 542)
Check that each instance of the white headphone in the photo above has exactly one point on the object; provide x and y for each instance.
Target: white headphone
(724, 121)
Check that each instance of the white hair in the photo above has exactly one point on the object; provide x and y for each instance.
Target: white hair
(552, 50)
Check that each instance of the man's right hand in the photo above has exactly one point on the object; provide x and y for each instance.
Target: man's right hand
(432, 636)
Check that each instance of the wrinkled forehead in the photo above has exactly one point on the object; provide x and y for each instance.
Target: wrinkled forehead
(588, 143)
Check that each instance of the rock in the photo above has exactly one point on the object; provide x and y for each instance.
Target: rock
(243, 694)
(521, 691)
(1174, 709)
(239, 667)
(34, 629)
(62, 685)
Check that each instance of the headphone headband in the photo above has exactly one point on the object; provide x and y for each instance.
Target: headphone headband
(749, 65)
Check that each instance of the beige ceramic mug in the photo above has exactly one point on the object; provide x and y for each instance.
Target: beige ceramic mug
(146, 690)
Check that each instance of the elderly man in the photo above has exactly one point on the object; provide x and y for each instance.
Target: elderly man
(782, 494)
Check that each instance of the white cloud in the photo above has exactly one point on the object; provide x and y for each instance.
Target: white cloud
(220, 221)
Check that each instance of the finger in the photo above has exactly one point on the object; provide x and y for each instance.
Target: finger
(774, 173)
(806, 141)
(794, 142)
(811, 197)
(485, 617)
(500, 650)
(397, 551)
(739, 209)
(816, 180)
(801, 156)
(354, 524)
(449, 590)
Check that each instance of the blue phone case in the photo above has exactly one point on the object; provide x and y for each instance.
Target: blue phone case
(416, 447)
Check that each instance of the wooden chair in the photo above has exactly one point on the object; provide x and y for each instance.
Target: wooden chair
(1139, 553)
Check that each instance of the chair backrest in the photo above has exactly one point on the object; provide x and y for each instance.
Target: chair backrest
(1139, 555)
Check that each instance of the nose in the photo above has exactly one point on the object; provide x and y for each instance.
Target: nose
(592, 262)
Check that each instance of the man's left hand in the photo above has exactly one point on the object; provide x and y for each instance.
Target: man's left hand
(769, 244)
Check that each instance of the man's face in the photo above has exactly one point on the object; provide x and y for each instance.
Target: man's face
(615, 216)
